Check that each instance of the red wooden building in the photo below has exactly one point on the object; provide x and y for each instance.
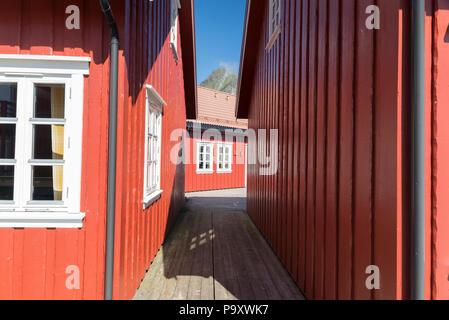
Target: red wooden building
(337, 88)
(54, 101)
(216, 144)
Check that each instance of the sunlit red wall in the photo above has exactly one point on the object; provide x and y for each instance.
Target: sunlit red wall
(437, 151)
(340, 96)
(216, 180)
(33, 261)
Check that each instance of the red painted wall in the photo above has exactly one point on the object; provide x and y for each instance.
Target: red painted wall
(438, 147)
(33, 261)
(216, 181)
(337, 93)
(340, 96)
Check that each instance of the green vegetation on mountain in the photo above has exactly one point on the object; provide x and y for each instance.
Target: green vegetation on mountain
(222, 80)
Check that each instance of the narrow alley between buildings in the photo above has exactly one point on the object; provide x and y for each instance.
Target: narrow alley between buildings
(215, 252)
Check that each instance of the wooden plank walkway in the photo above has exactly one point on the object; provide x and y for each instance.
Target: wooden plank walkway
(215, 252)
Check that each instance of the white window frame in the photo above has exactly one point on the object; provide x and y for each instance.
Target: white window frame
(26, 71)
(154, 105)
(230, 147)
(199, 144)
(175, 5)
(273, 25)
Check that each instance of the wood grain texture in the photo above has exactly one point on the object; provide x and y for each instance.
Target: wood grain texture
(215, 252)
(341, 108)
(33, 262)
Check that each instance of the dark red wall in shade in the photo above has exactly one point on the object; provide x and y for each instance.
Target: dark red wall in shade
(339, 95)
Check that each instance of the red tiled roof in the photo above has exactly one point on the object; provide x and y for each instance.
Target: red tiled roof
(218, 108)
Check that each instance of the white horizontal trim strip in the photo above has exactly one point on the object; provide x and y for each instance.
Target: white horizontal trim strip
(43, 57)
(152, 198)
(41, 220)
(204, 171)
(8, 161)
(8, 120)
(18, 74)
(18, 64)
(154, 98)
(47, 121)
(45, 162)
(224, 171)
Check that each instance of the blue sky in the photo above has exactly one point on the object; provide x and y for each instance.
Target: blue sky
(219, 32)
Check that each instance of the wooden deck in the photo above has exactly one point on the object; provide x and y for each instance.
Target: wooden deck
(215, 252)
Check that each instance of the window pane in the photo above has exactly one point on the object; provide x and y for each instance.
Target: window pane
(151, 173)
(8, 100)
(150, 177)
(153, 181)
(49, 101)
(150, 149)
(7, 141)
(6, 183)
(48, 142)
(47, 183)
(150, 123)
(153, 149)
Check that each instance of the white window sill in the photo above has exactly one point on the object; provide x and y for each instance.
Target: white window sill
(204, 172)
(152, 198)
(41, 220)
(273, 38)
(224, 171)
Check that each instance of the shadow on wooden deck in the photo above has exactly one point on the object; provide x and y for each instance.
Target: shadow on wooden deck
(215, 252)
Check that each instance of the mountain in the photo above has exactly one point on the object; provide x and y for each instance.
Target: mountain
(222, 80)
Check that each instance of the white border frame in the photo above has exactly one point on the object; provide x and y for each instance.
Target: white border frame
(26, 70)
(198, 145)
(155, 102)
(273, 34)
(174, 28)
(231, 155)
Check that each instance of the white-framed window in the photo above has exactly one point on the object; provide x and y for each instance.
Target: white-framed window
(175, 5)
(41, 121)
(153, 142)
(204, 157)
(274, 22)
(224, 157)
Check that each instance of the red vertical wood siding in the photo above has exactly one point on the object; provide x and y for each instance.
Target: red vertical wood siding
(338, 93)
(438, 147)
(340, 96)
(216, 180)
(33, 261)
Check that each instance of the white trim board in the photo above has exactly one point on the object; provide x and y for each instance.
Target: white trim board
(27, 71)
(41, 64)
